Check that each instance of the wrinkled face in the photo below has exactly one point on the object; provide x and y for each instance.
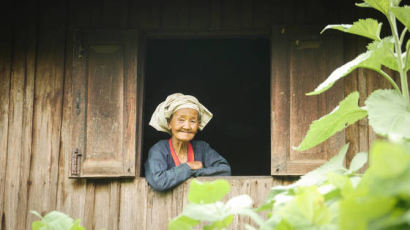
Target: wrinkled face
(184, 124)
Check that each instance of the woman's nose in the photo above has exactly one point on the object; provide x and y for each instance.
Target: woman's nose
(186, 125)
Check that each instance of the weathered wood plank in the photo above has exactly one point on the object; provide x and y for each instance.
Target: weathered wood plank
(47, 109)
(133, 204)
(159, 209)
(70, 193)
(88, 219)
(5, 74)
(280, 113)
(106, 204)
(20, 126)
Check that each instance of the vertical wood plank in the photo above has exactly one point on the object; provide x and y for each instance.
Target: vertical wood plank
(20, 126)
(47, 109)
(133, 204)
(5, 75)
(106, 204)
(280, 111)
(238, 187)
(159, 209)
(88, 218)
(71, 193)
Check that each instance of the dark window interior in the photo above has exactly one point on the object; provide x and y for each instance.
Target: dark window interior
(231, 77)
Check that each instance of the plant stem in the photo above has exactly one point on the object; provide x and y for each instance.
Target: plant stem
(399, 58)
(388, 78)
(402, 35)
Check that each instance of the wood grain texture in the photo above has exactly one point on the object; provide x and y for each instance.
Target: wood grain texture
(311, 60)
(70, 193)
(20, 123)
(105, 101)
(280, 114)
(133, 205)
(35, 113)
(5, 74)
(47, 109)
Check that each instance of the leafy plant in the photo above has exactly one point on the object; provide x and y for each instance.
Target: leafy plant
(205, 205)
(329, 197)
(55, 220)
(388, 110)
(332, 196)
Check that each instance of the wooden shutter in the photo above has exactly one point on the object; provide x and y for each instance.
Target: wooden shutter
(104, 104)
(301, 60)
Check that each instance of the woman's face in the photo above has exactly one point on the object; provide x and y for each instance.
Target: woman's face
(184, 124)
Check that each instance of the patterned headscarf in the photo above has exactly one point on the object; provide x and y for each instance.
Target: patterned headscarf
(164, 111)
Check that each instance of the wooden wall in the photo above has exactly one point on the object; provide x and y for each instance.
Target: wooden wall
(35, 102)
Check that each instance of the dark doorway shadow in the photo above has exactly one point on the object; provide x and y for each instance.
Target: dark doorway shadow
(231, 77)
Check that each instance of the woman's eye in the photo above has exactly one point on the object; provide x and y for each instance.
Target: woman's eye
(193, 121)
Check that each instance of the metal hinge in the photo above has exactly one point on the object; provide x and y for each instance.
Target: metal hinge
(76, 162)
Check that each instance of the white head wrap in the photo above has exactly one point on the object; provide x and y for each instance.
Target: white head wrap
(164, 111)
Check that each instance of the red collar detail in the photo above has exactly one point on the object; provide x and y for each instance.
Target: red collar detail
(174, 155)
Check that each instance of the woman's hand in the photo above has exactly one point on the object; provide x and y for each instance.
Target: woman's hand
(195, 164)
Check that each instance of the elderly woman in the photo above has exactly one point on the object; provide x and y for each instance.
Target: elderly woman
(171, 162)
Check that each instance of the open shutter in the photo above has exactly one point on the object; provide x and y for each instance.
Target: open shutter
(301, 60)
(104, 104)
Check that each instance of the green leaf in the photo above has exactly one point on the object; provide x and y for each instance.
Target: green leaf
(182, 223)
(342, 182)
(389, 114)
(284, 225)
(77, 225)
(306, 209)
(368, 28)
(382, 55)
(347, 113)
(388, 160)
(357, 162)
(314, 177)
(403, 15)
(207, 192)
(220, 224)
(58, 220)
(37, 225)
(217, 211)
(355, 212)
(36, 214)
(380, 5)
(341, 72)
(378, 53)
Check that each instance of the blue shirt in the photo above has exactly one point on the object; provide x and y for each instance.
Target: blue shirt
(162, 174)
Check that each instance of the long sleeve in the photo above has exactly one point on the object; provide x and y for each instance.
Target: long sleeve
(214, 164)
(159, 176)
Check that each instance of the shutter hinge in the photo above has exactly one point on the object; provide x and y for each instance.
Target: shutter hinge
(76, 162)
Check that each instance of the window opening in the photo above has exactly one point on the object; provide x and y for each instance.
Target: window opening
(231, 77)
